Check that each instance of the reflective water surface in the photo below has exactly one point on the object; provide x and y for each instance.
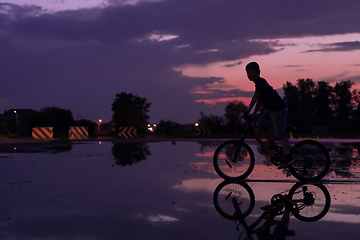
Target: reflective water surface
(155, 190)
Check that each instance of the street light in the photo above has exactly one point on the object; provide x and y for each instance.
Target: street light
(16, 123)
(99, 121)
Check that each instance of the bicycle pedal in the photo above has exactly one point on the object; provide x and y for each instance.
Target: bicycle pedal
(264, 207)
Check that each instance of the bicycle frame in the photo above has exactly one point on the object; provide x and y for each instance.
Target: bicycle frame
(235, 200)
(308, 166)
(251, 130)
(239, 216)
(250, 230)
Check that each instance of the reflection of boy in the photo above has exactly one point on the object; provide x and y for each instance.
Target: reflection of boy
(281, 229)
(275, 113)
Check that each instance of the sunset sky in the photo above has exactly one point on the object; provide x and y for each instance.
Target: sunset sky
(183, 56)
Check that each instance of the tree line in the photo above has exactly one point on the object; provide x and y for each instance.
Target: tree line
(128, 110)
(313, 104)
(310, 106)
(59, 119)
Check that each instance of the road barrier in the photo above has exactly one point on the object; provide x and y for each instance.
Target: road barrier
(42, 133)
(78, 133)
(127, 132)
(202, 131)
(320, 131)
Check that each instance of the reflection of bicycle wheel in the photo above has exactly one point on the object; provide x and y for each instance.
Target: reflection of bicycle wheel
(225, 191)
(231, 165)
(312, 161)
(312, 201)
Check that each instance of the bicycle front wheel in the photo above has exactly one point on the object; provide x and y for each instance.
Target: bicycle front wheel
(233, 160)
(312, 161)
(312, 201)
(226, 191)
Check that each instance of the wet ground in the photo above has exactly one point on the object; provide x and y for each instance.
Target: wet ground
(154, 190)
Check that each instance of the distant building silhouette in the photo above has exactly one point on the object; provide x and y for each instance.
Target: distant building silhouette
(13, 119)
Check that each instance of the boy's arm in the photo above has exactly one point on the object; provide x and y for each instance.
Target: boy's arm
(257, 106)
(255, 98)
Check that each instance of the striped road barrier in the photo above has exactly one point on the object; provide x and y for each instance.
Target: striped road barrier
(42, 133)
(320, 130)
(78, 133)
(127, 132)
(202, 131)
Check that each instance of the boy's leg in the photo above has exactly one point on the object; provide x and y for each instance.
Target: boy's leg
(263, 125)
(286, 145)
(279, 125)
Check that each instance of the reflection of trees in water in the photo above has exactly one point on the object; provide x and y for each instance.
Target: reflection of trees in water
(212, 145)
(130, 153)
(59, 149)
(342, 168)
(345, 159)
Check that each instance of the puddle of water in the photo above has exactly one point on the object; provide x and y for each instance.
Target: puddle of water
(148, 191)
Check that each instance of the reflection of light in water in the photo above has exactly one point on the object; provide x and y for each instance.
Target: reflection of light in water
(203, 167)
(162, 218)
(198, 185)
(206, 154)
(354, 153)
(157, 218)
(99, 142)
(344, 218)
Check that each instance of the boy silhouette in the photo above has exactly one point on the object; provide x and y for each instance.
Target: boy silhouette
(274, 115)
(281, 226)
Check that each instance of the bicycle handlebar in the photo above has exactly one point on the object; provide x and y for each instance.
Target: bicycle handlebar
(248, 117)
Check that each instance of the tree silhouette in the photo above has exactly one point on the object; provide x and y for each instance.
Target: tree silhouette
(322, 102)
(311, 104)
(130, 153)
(130, 111)
(343, 101)
(300, 100)
(232, 113)
(60, 119)
(212, 122)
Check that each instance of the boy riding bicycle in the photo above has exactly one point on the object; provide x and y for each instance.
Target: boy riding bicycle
(274, 115)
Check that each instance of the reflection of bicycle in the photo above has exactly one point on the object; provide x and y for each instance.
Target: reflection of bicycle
(235, 201)
(235, 160)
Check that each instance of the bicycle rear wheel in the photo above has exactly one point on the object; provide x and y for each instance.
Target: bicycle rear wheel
(312, 201)
(312, 161)
(233, 160)
(226, 191)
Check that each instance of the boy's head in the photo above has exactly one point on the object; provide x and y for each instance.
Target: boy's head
(253, 71)
(254, 66)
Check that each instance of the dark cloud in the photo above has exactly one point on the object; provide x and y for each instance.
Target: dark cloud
(233, 65)
(217, 93)
(341, 47)
(13, 11)
(80, 59)
(292, 66)
(342, 76)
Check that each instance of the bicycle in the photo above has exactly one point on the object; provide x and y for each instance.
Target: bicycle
(235, 160)
(235, 201)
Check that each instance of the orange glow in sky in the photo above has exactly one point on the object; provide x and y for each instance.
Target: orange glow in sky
(296, 58)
